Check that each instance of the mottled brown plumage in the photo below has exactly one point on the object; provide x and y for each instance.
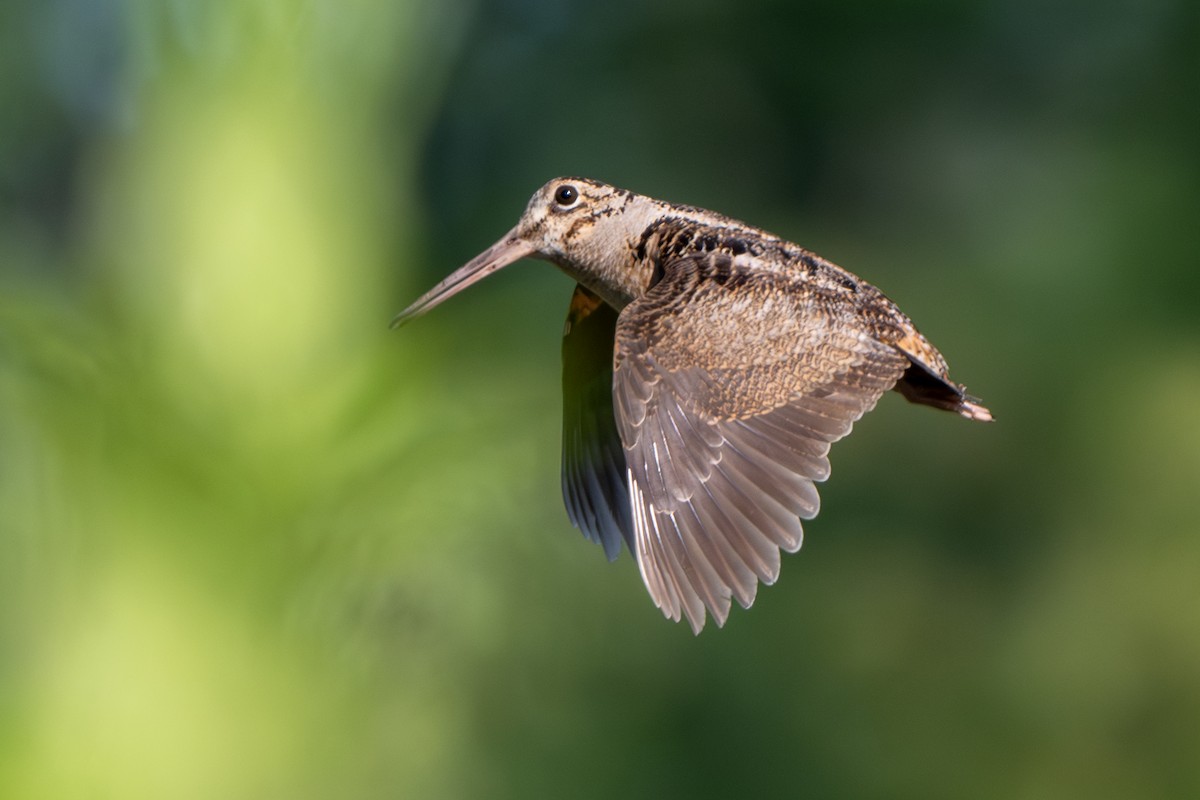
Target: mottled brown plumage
(707, 368)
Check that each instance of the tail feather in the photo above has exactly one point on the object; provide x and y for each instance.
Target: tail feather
(920, 384)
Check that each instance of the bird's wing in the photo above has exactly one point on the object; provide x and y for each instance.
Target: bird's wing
(730, 384)
(593, 464)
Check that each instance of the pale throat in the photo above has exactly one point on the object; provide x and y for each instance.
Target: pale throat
(617, 281)
(607, 263)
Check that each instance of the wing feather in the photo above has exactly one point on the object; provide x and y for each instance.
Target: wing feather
(727, 404)
(593, 465)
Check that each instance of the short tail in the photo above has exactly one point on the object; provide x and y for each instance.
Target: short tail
(921, 385)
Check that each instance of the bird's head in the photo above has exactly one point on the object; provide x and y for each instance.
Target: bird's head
(587, 228)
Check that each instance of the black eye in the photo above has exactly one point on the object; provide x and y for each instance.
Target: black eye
(566, 195)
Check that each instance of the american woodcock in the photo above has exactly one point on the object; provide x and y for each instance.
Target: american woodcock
(707, 368)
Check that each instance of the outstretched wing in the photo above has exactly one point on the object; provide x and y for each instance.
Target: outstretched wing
(593, 465)
(731, 382)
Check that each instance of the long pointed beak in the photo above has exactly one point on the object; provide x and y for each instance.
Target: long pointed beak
(504, 252)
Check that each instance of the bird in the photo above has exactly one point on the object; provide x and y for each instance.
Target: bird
(708, 367)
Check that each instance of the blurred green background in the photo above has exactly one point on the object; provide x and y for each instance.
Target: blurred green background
(254, 544)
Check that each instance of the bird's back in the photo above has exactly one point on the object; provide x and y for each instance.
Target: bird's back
(781, 278)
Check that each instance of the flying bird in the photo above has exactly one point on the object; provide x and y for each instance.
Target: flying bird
(708, 365)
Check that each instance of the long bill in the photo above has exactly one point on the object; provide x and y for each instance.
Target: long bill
(504, 252)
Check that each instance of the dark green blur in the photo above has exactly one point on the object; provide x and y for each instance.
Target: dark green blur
(253, 544)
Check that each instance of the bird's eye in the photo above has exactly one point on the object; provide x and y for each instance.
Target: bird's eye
(566, 195)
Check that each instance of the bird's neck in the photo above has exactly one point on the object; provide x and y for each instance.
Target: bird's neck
(613, 262)
(619, 260)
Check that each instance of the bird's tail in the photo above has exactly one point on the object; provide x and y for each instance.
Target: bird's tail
(919, 384)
